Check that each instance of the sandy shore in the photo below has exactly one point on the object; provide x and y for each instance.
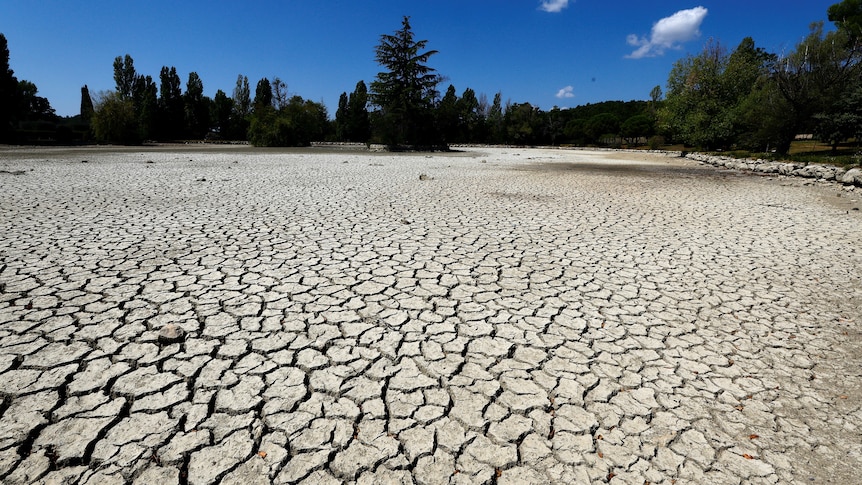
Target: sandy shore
(498, 315)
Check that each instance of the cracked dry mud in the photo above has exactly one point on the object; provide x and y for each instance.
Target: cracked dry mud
(517, 316)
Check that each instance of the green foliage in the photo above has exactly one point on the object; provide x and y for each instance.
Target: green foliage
(623, 110)
(351, 120)
(448, 120)
(695, 105)
(655, 142)
(297, 123)
(636, 127)
(601, 126)
(812, 78)
(32, 107)
(496, 128)
(341, 117)
(552, 126)
(115, 120)
(146, 104)
(19, 101)
(843, 121)
(406, 90)
(171, 111)
(262, 95)
(763, 120)
(847, 16)
(471, 119)
(221, 111)
(523, 124)
(241, 109)
(706, 92)
(8, 89)
(87, 108)
(575, 131)
(196, 107)
(267, 129)
(358, 125)
(124, 75)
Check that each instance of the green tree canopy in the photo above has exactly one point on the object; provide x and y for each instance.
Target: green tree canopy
(705, 92)
(602, 125)
(523, 123)
(86, 104)
(636, 126)
(19, 99)
(823, 69)
(124, 75)
(406, 90)
(358, 124)
(171, 107)
(341, 115)
(146, 105)
(263, 95)
(448, 120)
(469, 116)
(197, 107)
(496, 128)
(241, 97)
(241, 108)
(31, 106)
(847, 16)
(115, 120)
(222, 109)
(8, 89)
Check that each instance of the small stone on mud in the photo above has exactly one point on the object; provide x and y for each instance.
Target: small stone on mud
(171, 333)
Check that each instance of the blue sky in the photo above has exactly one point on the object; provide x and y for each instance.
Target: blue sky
(551, 52)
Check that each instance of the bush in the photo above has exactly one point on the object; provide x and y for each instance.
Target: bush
(656, 142)
(114, 120)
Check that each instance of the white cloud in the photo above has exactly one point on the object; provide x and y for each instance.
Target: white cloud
(668, 33)
(566, 92)
(553, 6)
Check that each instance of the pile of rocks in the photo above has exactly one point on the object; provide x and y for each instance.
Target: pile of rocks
(852, 176)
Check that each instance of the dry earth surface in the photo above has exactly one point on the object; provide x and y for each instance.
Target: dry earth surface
(191, 315)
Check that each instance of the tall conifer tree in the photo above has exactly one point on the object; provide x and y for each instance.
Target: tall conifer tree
(407, 90)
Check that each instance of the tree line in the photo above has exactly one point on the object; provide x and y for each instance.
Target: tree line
(759, 101)
(22, 110)
(747, 98)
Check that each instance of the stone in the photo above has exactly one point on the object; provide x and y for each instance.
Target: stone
(171, 333)
(852, 177)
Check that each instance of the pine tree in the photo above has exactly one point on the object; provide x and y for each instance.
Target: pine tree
(406, 91)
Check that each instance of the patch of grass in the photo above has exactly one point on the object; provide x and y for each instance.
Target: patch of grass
(808, 152)
(813, 151)
(840, 159)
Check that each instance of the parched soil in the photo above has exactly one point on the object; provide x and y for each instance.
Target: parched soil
(233, 315)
